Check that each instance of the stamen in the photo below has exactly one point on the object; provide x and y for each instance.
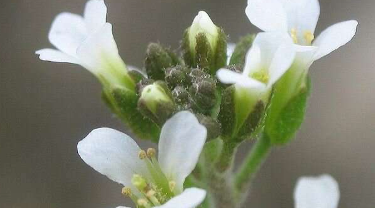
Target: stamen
(261, 76)
(142, 154)
(293, 34)
(143, 203)
(309, 37)
(139, 182)
(172, 185)
(151, 152)
(151, 196)
(126, 191)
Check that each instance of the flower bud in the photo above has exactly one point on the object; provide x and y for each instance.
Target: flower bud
(204, 94)
(182, 98)
(205, 44)
(158, 59)
(177, 75)
(156, 102)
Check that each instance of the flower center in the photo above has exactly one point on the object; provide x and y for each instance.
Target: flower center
(307, 37)
(153, 191)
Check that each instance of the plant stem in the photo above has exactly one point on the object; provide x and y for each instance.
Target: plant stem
(252, 163)
(226, 158)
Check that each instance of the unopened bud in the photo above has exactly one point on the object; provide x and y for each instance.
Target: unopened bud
(158, 59)
(156, 102)
(177, 75)
(204, 94)
(204, 44)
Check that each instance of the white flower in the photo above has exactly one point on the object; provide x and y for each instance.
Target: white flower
(267, 60)
(147, 180)
(89, 42)
(230, 50)
(202, 23)
(316, 192)
(299, 18)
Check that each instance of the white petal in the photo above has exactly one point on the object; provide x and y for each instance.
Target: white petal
(190, 198)
(313, 192)
(68, 31)
(95, 15)
(268, 15)
(282, 60)
(253, 60)
(277, 53)
(99, 51)
(55, 56)
(181, 141)
(227, 76)
(334, 37)
(113, 154)
(230, 50)
(302, 14)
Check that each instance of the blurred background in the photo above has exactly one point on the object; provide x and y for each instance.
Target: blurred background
(46, 108)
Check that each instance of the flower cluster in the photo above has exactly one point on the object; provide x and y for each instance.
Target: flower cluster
(200, 104)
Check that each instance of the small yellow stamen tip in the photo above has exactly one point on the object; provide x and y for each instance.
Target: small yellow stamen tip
(126, 191)
(142, 154)
(151, 152)
(309, 37)
(142, 202)
(150, 193)
(172, 185)
(293, 34)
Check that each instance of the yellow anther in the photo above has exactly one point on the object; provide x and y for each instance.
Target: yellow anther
(293, 34)
(261, 76)
(142, 154)
(126, 191)
(309, 37)
(151, 152)
(172, 185)
(142, 202)
(150, 193)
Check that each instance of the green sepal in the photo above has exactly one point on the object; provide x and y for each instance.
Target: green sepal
(203, 53)
(242, 47)
(211, 152)
(283, 121)
(124, 104)
(158, 58)
(220, 54)
(240, 113)
(212, 125)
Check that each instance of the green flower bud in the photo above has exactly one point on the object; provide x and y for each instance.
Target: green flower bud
(182, 98)
(242, 47)
(156, 102)
(158, 59)
(205, 44)
(177, 75)
(204, 94)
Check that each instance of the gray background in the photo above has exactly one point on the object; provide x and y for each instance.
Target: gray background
(46, 108)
